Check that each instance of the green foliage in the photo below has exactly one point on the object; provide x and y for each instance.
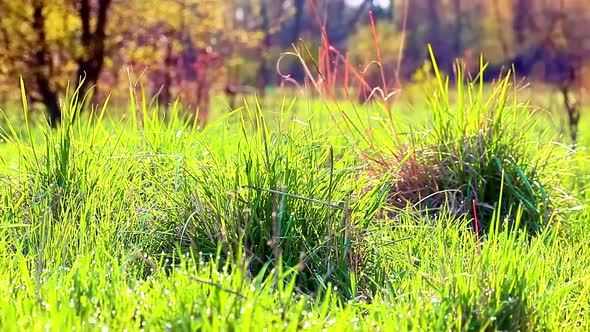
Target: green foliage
(150, 224)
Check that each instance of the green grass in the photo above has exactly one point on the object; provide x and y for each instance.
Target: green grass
(272, 217)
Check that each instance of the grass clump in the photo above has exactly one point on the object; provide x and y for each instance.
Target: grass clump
(483, 153)
(285, 199)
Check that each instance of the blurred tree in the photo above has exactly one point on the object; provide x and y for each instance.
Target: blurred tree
(548, 42)
(209, 40)
(52, 41)
(347, 18)
(297, 20)
(193, 47)
(48, 41)
(273, 16)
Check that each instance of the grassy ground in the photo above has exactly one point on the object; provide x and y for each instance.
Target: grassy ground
(461, 215)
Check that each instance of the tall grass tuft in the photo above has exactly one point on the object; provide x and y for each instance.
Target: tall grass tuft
(490, 149)
(286, 199)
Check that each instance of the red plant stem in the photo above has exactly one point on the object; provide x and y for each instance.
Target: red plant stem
(323, 71)
(324, 57)
(334, 74)
(346, 71)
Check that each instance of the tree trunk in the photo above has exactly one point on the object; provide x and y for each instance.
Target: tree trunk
(91, 63)
(571, 105)
(298, 20)
(434, 35)
(391, 11)
(458, 41)
(205, 59)
(345, 28)
(50, 101)
(42, 66)
(262, 76)
(165, 94)
(520, 22)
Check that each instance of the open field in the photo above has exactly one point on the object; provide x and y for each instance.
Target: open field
(300, 214)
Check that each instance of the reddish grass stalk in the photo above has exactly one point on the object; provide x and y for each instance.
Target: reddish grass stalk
(346, 71)
(328, 66)
(325, 60)
(321, 68)
(351, 69)
(334, 74)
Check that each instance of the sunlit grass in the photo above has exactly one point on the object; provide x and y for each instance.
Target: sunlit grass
(272, 217)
